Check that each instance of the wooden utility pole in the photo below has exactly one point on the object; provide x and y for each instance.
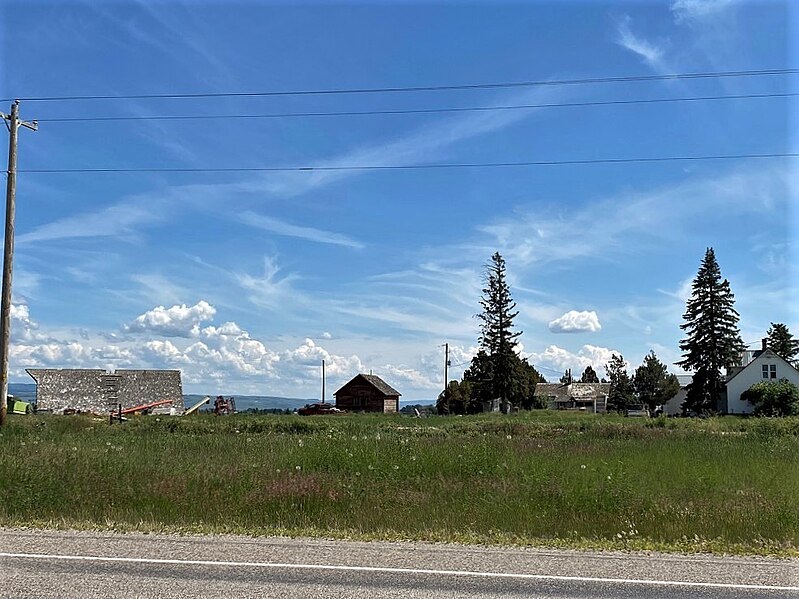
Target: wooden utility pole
(323, 381)
(12, 122)
(446, 369)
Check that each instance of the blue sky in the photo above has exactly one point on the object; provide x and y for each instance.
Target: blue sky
(246, 281)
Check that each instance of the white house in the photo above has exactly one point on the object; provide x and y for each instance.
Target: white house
(765, 366)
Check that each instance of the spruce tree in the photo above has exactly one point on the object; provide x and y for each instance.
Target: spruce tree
(621, 386)
(497, 337)
(781, 342)
(713, 340)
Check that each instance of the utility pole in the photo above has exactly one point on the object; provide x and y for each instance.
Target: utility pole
(12, 122)
(446, 368)
(323, 381)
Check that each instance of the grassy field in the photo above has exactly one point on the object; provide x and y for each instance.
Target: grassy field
(540, 478)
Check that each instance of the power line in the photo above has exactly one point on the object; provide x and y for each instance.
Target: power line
(426, 88)
(381, 167)
(181, 117)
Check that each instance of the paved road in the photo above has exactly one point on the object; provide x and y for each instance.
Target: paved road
(38, 564)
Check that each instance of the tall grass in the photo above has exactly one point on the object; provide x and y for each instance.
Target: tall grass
(542, 478)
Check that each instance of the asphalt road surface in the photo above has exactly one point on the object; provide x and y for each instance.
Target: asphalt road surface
(38, 564)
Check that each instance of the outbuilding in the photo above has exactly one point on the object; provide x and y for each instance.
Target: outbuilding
(367, 393)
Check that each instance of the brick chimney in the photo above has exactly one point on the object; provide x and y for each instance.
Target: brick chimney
(765, 346)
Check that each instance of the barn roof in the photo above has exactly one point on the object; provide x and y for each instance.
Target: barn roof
(376, 382)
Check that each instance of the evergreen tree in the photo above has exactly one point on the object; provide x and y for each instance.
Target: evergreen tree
(713, 340)
(566, 379)
(781, 342)
(589, 375)
(653, 384)
(621, 386)
(497, 337)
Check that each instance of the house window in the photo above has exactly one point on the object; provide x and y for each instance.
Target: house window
(769, 371)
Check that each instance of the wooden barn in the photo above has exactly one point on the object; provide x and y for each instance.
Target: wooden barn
(367, 393)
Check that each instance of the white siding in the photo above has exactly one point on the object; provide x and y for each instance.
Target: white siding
(753, 373)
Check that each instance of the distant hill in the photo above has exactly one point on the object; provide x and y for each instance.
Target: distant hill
(27, 392)
(24, 391)
(261, 402)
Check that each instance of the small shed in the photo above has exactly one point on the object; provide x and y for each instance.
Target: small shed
(367, 393)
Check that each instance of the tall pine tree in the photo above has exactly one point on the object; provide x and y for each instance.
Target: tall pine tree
(713, 340)
(497, 337)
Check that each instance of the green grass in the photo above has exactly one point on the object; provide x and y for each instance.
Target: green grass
(541, 478)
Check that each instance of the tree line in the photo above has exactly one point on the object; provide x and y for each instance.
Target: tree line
(498, 378)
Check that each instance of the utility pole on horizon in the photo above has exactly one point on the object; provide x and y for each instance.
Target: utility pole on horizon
(12, 123)
(446, 369)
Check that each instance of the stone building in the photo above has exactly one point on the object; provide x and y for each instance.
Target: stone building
(99, 391)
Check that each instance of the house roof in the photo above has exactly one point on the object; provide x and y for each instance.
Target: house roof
(376, 382)
(561, 392)
(766, 354)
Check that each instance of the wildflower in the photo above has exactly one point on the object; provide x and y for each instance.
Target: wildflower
(357, 474)
(371, 467)
(278, 470)
(298, 467)
(413, 458)
(609, 477)
(509, 437)
(582, 466)
(396, 467)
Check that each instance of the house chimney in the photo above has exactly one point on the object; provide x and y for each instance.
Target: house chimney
(764, 341)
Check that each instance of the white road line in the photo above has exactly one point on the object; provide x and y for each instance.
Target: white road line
(387, 570)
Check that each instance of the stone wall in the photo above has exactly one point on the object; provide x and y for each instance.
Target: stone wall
(98, 390)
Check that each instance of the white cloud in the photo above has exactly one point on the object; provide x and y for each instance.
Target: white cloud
(268, 290)
(273, 225)
(177, 321)
(693, 10)
(611, 225)
(558, 359)
(651, 53)
(119, 220)
(576, 322)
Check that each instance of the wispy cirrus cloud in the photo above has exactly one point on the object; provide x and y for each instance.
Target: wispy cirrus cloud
(652, 54)
(695, 10)
(118, 220)
(421, 145)
(279, 227)
(605, 226)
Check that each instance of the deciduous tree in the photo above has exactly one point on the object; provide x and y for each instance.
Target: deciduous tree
(653, 384)
(773, 398)
(713, 340)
